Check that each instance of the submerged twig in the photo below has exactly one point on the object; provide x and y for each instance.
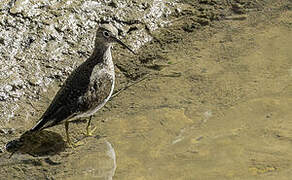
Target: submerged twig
(131, 84)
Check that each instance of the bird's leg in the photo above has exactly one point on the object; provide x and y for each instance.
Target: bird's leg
(67, 134)
(69, 142)
(88, 128)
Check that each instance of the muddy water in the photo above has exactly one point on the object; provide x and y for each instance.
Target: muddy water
(220, 112)
(218, 107)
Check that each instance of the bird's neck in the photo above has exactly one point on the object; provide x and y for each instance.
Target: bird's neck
(107, 59)
(102, 55)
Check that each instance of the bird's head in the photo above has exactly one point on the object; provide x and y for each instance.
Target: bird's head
(107, 34)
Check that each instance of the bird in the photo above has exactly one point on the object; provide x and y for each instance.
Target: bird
(87, 88)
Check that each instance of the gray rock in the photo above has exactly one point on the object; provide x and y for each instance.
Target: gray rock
(38, 34)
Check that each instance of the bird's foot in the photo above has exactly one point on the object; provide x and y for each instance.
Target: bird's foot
(70, 144)
(89, 132)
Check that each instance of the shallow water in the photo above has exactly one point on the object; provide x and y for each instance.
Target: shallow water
(226, 116)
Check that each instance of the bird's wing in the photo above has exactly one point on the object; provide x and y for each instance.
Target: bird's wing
(60, 109)
(83, 91)
(57, 117)
(63, 105)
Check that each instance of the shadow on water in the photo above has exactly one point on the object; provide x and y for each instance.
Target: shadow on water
(37, 144)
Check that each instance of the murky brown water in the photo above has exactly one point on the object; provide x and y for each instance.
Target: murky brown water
(226, 116)
(218, 108)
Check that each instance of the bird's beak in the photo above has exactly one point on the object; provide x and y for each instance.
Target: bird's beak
(123, 44)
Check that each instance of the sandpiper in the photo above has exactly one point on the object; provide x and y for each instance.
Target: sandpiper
(88, 88)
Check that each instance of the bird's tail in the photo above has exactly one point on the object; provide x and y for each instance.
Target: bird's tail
(39, 126)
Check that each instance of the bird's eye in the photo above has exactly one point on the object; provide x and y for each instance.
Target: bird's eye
(106, 34)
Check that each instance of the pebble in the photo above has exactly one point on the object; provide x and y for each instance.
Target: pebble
(8, 88)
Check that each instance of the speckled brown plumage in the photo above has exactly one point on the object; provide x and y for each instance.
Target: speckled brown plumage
(84, 90)
(89, 86)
